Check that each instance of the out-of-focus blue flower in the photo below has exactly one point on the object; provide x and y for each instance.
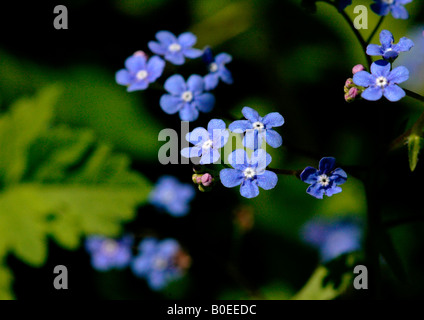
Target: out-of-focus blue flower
(157, 262)
(172, 196)
(107, 253)
(258, 128)
(343, 4)
(249, 173)
(333, 238)
(396, 7)
(140, 72)
(326, 180)
(186, 98)
(389, 50)
(207, 142)
(217, 69)
(175, 49)
(382, 81)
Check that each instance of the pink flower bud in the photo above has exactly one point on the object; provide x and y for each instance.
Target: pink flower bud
(357, 68)
(348, 82)
(140, 53)
(351, 95)
(207, 179)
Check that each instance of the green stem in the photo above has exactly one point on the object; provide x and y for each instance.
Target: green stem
(375, 29)
(416, 128)
(414, 95)
(286, 172)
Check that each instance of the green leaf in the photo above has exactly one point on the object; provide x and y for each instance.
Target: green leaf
(414, 146)
(5, 283)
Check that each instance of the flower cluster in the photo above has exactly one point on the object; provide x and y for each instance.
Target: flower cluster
(158, 261)
(187, 98)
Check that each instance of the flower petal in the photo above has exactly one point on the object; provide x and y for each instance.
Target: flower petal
(399, 12)
(223, 58)
(316, 190)
(211, 81)
(333, 190)
(216, 124)
(249, 189)
(309, 175)
(188, 112)
(240, 126)
(394, 93)
(123, 77)
(154, 68)
(253, 139)
(170, 104)
(238, 159)
(380, 68)
(198, 136)
(192, 152)
(195, 84)
(260, 159)
(176, 58)
(326, 165)
(192, 53)
(398, 75)
(273, 119)
(157, 48)
(231, 177)
(386, 38)
(403, 45)
(374, 50)
(140, 85)
(267, 180)
(187, 39)
(211, 156)
(250, 114)
(135, 63)
(372, 93)
(205, 102)
(339, 176)
(364, 79)
(175, 85)
(273, 138)
(225, 75)
(166, 37)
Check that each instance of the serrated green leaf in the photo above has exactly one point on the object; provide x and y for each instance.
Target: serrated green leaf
(414, 146)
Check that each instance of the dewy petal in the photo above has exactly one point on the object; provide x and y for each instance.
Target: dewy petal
(380, 68)
(273, 138)
(386, 38)
(238, 159)
(154, 68)
(249, 189)
(309, 175)
(250, 114)
(170, 104)
(140, 85)
(192, 53)
(175, 85)
(192, 152)
(176, 58)
(398, 75)
(231, 178)
(195, 84)
(166, 37)
(211, 81)
(339, 176)
(364, 79)
(399, 12)
(273, 119)
(216, 124)
(135, 63)
(157, 48)
(374, 50)
(187, 39)
(123, 77)
(316, 191)
(205, 102)
(394, 93)
(240, 126)
(403, 45)
(198, 136)
(326, 165)
(372, 94)
(267, 180)
(223, 58)
(188, 112)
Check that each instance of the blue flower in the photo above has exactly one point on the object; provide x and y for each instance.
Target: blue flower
(217, 69)
(109, 253)
(207, 142)
(172, 196)
(249, 173)
(258, 128)
(186, 98)
(384, 7)
(389, 50)
(343, 4)
(175, 49)
(139, 72)
(325, 180)
(333, 238)
(382, 81)
(157, 262)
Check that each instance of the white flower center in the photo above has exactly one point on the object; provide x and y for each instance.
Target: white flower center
(258, 125)
(174, 47)
(109, 246)
(388, 1)
(207, 144)
(160, 263)
(168, 196)
(381, 82)
(187, 96)
(249, 173)
(141, 75)
(324, 180)
(213, 67)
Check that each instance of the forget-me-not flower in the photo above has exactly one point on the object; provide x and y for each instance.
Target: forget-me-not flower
(172, 196)
(396, 7)
(258, 128)
(157, 262)
(140, 72)
(249, 173)
(333, 237)
(186, 98)
(175, 49)
(107, 253)
(382, 81)
(207, 142)
(389, 50)
(217, 69)
(325, 180)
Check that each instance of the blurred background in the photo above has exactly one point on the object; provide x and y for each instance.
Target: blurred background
(73, 126)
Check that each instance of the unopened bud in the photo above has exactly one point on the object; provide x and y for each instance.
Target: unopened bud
(206, 179)
(352, 94)
(357, 68)
(140, 53)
